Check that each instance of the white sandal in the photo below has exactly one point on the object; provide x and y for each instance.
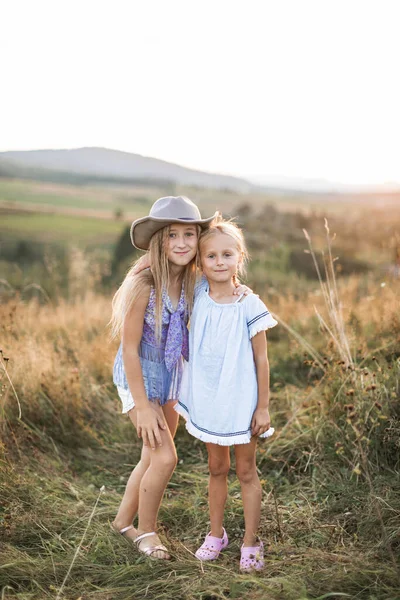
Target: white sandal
(151, 549)
(122, 531)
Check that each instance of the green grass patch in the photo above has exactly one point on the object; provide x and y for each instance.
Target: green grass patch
(27, 192)
(102, 199)
(59, 228)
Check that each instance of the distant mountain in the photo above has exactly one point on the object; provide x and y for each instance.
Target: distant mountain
(104, 164)
(298, 184)
(320, 186)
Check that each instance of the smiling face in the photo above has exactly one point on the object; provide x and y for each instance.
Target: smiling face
(181, 246)
(220, 257)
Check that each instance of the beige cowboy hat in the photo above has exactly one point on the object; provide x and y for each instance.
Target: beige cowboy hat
(165, 211)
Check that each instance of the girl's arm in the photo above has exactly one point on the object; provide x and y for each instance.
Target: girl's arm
(261, 420)
(148, 421)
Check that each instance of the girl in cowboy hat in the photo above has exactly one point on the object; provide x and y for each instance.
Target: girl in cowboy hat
(150, 312)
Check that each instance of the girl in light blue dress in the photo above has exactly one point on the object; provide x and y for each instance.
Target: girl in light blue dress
(225, 387)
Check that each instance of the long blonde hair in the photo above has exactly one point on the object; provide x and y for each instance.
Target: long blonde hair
(228, 227)
(134, 284)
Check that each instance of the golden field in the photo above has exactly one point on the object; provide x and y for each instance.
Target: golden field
(331, 506)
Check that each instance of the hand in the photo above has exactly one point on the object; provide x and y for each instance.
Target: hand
(149, 423)
(242, 290)
(142, 264)
(260, 422)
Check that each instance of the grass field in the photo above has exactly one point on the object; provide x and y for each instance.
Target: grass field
(58, 228)
(134, 201)
(330, 474)
(331, 507)
(51, 196)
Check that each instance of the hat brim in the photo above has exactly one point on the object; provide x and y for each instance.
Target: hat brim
(143, 229)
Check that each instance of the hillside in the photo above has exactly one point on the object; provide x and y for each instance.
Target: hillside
(104, 163)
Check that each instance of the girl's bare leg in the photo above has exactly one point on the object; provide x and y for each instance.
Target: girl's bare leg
(171, 416)
(251, 489)
(218, 464)
(163, 461)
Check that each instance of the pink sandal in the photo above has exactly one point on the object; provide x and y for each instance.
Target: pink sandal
(212, 546)
(252, 558)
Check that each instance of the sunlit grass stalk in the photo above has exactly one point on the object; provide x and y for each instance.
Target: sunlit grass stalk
(7, 284)
(326, 326)
(38, 288)
(80, 543)
(336, 305)
(3, 364)
(329, 289)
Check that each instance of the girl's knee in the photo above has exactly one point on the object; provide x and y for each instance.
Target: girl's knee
(165, 458)
(246, 471)
(218, 467)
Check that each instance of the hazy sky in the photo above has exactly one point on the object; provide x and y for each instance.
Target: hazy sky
(302, 88)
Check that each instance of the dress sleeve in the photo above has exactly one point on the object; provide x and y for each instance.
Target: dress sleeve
(201, 285)
(258, 316)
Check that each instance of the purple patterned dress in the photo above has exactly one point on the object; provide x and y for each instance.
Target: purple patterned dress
(161, 361)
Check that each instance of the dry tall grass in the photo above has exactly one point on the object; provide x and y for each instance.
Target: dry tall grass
(331, 505)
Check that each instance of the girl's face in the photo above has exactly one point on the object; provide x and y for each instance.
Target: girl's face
(220, 257)
(182, 244)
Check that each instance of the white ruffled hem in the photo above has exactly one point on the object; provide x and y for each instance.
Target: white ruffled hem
(215, 439)
(269, 323)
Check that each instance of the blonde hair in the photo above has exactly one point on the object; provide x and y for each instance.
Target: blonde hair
(228, 227)
(134, 285)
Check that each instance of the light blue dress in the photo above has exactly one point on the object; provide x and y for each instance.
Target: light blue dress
(219, 385)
